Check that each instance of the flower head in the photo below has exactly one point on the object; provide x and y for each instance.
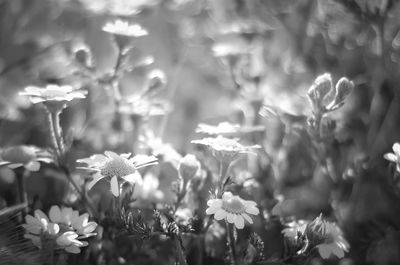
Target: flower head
(395, 156)
(123, 32)
(115, 167)
(65, 227)
(232, 208)
(25, 156)
(225, 149)
(327, 237)
(227, 129)
(53, 96)
(188, 167)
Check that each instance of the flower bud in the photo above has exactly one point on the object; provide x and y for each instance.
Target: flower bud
(343, 88)
(320, 89)
(188, 166)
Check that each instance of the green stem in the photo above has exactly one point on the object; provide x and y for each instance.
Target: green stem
(22, 195)
(231, 243)
(53, 134)
(180, 254)
(223, 172)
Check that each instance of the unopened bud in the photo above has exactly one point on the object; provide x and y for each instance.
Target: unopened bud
(188, 166)
(157, 80)
(343, 88)
(319, 89)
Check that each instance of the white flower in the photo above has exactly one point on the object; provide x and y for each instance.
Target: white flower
(123, 28)
(25, 156)
(116, 167)
(232, 208)
(52, 93)
(65, 227)
(395, 156)
(227, 129)
(225, 149)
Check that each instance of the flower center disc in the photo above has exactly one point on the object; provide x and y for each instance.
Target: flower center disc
(117, 167)
(233, 205)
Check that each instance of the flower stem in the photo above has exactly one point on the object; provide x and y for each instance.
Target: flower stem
(223, 172)
(231, 243)
(180, 254)
(53, 134)
(22, 195)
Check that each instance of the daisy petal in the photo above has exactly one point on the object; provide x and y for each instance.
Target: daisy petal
(220, 214)
(239, 221)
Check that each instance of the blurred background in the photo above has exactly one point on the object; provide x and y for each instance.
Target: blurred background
(248, 62)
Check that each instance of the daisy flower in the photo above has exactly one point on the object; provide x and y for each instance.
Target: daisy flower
(395, 156)
(123, 32)
(115, 167)
(225, 149)
(232, 208)
(64, 227)
(227, 129)
(120, 27)
(25, 156)
(327, 237)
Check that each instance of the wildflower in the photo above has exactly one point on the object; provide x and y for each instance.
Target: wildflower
(53, 96)
(395, 156)
(188, 166)
(115, 167)
(64, 228)
(327, 237)
(147, 190)
(324, 97)
(25, 156)
(225, 149)
(295, 228)
(232, 208)
(227, 129)
(123, 32)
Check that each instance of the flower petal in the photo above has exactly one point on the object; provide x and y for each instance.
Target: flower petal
(220, 214)
(396, 148)
(252, 210)
(230, 218)
(55, 214)
(391, 157)
(115, 186)
(239, 221)
(73, 249)
(33, 166)
(247, 217)
(96, 177)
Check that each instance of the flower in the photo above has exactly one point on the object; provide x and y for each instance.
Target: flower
(327, 237)
(188, 167)
(232, 208)
(395, 156)
(227, 129)
(115, 167)
(123, 28)
(53, 96)
(147, 190)
(123, 32)
(64, 227)
(25, 156)
(225, 149)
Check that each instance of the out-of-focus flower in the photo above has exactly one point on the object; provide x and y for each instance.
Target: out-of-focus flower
(138, 106)
(227, 129)
(395, 156)
(232, 208)
(295, 228)
(155, 145)
(25, 156)
(123, 28)
(318, 91)
(225, 149)
(64, 228)
(147, 189)
(54, 97)
(188, 166)
(327, 237)
(116, 167)
(123, 32)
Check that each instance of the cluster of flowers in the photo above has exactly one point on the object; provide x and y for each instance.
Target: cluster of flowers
(64, 229)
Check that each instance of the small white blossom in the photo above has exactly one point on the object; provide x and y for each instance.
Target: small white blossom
(25, 156)
(120, 27)
(115, 167)
(232, 208)
(395, 156)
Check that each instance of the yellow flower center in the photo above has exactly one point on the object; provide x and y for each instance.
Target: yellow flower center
(233, 205)
(117, 166)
